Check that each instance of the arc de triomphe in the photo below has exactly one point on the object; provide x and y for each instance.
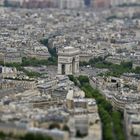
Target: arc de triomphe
(68, 61)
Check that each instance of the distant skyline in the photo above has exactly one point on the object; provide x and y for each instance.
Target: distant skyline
(66, 4)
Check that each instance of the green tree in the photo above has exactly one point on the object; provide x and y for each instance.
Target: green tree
(111, 120)
(2, 135)
(35, 136)
(83, 79)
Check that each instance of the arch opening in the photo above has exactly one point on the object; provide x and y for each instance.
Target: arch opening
(63, 69)
(73, 65)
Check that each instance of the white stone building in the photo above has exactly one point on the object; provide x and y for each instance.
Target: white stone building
(68, 61)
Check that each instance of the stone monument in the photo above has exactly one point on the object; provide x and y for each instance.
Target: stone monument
(68, 61)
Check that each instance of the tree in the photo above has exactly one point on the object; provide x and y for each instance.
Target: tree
(127, 65)
(83, 79)
(35, 136)
(2, 135)
(111, 121)
(44, 41)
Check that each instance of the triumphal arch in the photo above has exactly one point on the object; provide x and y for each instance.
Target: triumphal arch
(68, 60)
